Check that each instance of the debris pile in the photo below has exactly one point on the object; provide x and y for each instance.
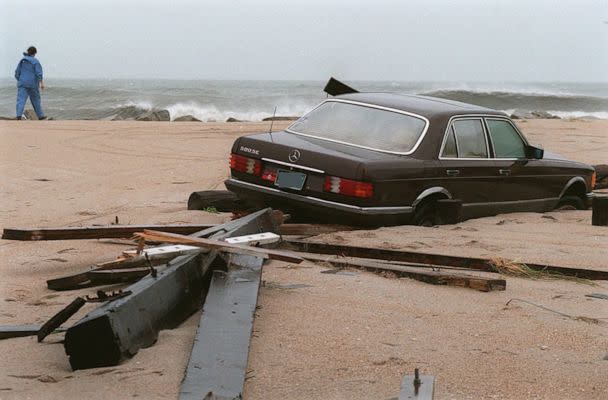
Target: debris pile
(175, 270)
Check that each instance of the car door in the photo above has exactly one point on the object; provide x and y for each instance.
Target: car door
(466, 168)
(523, 183)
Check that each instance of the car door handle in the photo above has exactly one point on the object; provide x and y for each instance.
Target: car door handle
(452, 172)
(505, 172)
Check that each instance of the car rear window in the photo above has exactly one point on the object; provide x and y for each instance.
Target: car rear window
(361, 125)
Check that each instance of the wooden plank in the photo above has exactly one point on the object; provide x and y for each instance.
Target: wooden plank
(219, 246)
(237, 227)
(429, 258)
(56, 320)
(218, 361)
(13, 331)
(95, 232)
(126, 231)
(94, 277)
(112, 276)
(118, 329)
(313, 229)
(448, 278)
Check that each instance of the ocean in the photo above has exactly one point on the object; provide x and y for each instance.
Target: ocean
(215, 100)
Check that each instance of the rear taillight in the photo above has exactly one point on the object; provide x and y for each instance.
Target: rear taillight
(269, 174)
(593, 180)
(245, 164)
(348, 187)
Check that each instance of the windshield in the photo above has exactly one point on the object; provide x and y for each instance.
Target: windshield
(361, 125)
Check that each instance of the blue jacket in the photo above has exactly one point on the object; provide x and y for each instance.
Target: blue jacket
(28, 72)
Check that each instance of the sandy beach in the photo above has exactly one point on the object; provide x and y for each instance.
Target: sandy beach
(350, 336)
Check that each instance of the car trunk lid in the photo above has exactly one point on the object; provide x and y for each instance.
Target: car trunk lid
(311, 155)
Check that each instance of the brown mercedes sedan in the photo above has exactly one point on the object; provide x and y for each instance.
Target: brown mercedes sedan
(386, 159)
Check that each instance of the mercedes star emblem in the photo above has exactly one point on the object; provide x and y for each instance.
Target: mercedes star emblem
(294, 155)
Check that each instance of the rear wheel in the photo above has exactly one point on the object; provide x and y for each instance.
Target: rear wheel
(570, 203)
(426, 214)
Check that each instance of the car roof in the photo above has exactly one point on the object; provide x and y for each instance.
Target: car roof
(429, 107)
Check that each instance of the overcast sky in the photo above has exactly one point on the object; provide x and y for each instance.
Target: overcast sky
(469, 40)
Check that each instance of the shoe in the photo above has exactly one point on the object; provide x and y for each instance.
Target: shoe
(18, 118)
(42, 119)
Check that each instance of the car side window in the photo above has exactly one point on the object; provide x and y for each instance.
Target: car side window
(507, 142)
(470, 138)
(450, 149)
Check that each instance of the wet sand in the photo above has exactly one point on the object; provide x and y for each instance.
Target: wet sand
(347, 336)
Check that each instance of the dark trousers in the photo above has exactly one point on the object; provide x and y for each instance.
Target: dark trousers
(34, 94)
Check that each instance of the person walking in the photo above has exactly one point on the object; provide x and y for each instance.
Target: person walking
(29, 80)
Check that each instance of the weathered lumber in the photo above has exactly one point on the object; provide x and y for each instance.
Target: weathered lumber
(312, 229)
(111, 276)
(218, 361)
(95, 232)
(219, 245)
(56, 320)
(429, 258)
(449, 278)
(118, 329)
(420, 387)
(93, 277)
(124, 231)
(600, 211)
(13, 331)
(220, 200)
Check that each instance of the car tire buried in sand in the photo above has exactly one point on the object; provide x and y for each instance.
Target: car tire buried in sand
(570, 203)
(426, 213)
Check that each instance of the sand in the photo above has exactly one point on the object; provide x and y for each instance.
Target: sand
(349, 336)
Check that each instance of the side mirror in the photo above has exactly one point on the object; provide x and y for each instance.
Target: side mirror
(533, 152)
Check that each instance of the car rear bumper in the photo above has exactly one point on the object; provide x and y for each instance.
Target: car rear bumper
(345, 213)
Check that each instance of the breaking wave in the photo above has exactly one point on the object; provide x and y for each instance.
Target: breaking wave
(256, 100)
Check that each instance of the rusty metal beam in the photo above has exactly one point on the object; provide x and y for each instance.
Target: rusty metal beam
(434, 259)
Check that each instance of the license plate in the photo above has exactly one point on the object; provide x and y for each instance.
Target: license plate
(290, 179)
